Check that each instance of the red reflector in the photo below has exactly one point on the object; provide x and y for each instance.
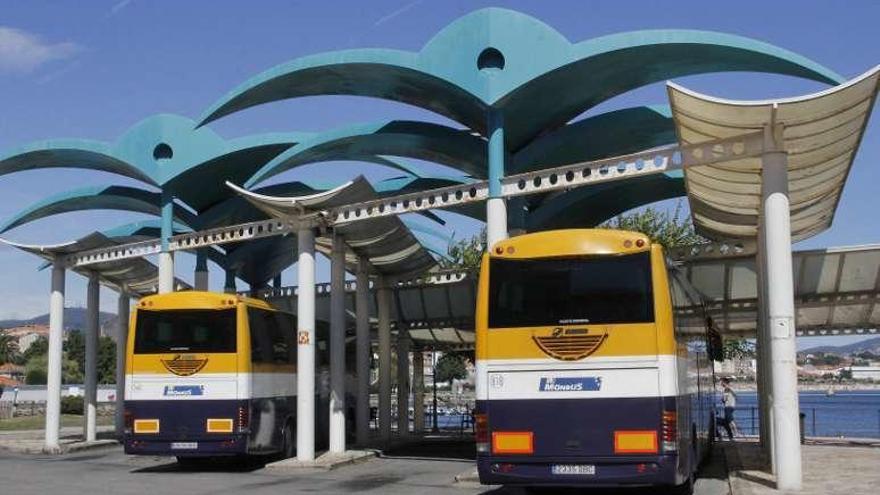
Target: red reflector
(481, 428)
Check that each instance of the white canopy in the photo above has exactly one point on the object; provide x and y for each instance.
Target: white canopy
(821, 133)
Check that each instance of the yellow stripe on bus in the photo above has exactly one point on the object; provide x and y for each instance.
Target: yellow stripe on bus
(153, 363)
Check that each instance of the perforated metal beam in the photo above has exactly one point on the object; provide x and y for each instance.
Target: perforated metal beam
(651, 162)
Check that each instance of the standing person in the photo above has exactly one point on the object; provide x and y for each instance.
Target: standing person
(728, 399)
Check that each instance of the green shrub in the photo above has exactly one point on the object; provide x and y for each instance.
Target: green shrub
(72, 405)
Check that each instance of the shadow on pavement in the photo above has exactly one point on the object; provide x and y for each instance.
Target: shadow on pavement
(207, 465)
(445, 449)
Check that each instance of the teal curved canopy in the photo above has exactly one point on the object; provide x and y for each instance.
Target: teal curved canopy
(515, 63)
(420, 140)
(121, 198)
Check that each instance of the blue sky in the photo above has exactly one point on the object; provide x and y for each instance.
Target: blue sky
(93, 69)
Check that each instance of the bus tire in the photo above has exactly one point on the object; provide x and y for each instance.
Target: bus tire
(288, 447)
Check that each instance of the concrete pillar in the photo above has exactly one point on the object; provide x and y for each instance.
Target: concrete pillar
(122, 315)
(418, 386)
(305, 322)
(201, 275)
(362, 352)
(383, 300)
(496, 207)
(337, 345)
(53, 374)
(780, 307)
(403, 345)
(90, 399)
(762, 359)
(166, 258)
(229, 285)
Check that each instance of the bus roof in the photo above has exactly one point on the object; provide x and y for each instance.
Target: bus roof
(571, 242)
(191, 299)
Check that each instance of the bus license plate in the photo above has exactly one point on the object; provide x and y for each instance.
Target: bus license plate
(184, 445)
(576, 469)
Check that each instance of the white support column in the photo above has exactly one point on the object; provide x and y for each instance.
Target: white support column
(402, 382)
(166, 272)
(90, 400)
(383, 300)
(780, 307)
(418, 386)
(201, 274)
(53, 375)
(122, 315)
(166, 257)
(362, 356)
(337, 346)
(305, 322)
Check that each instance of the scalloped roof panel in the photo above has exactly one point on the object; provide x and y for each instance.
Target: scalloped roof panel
(505, 59)
(163, 151)
(137, 276)
(391, 248)
(821, 133)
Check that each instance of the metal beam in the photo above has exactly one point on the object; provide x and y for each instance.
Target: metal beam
(641, 164)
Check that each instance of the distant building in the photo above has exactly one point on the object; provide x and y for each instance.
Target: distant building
(28, 334)
(865, 372)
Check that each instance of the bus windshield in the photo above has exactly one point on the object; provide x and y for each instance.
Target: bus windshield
(570, 291)
(190, 330)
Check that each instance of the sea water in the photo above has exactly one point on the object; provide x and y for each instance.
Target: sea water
(849, 414)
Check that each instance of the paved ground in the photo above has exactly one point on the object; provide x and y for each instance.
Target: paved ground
(429, 470)
(828, 470)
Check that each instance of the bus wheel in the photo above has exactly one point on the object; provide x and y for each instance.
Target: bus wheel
(287, 445)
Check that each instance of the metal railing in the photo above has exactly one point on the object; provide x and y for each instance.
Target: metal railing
(748, 423)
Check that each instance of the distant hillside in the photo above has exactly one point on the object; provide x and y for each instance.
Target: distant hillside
(74, 319)
(870, 345)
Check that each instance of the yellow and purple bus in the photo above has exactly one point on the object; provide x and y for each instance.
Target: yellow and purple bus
(210, 374)
(594, 363)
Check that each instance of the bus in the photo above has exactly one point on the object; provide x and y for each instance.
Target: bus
(593, 362)
(211, 374)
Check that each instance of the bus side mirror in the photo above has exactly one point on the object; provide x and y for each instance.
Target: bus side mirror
(716, 345)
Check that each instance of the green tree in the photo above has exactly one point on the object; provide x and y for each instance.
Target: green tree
(39, 347)
(449, 367)
(75, 348)
(8, 348)
(36, 370)
(669, 229)
(106, 360)
(465, 254)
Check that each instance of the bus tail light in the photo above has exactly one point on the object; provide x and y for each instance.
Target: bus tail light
(513, 442)
(244, 419)
(669, 431)
(481, 432)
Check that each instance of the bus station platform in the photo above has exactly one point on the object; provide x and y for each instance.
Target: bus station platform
(829, 468)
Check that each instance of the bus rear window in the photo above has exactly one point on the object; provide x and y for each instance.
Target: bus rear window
(570, 291)
(190, 330)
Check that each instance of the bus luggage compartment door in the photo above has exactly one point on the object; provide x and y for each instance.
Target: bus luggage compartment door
(574, 412)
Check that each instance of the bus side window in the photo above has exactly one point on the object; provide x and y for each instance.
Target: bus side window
(261, 339)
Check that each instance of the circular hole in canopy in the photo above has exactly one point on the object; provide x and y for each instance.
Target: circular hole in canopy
(163, 151)
(490, 58)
